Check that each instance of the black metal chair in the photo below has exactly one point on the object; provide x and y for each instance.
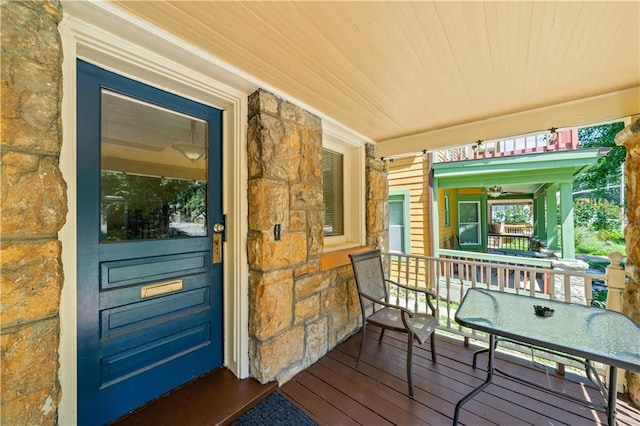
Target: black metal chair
(374, 291)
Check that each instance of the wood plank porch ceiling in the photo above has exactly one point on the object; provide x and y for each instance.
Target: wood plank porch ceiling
(420, 75)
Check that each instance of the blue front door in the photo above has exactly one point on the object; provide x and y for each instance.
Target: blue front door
(149, 298)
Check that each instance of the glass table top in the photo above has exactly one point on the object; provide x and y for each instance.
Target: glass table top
(592, 333)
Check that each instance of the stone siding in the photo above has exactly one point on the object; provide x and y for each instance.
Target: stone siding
(377, 209)
(296, 311)
(34, 207)
(630, 138)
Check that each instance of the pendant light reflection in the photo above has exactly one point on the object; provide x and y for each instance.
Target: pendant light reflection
(191, 150)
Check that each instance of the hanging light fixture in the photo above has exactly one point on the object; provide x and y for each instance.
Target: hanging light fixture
(192, 150)
(494, 191)
(553, 136)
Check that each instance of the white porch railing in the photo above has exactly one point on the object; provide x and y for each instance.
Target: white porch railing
(450, 275)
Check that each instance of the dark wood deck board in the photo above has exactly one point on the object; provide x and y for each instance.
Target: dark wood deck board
(381, 375)
(317, 407)
(336, 390)
(492, 396)
(394, 389)
(380, 404)
(331, 386)
(442, 392)
(215, 398)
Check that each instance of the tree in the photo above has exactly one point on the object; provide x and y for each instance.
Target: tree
(596, 182)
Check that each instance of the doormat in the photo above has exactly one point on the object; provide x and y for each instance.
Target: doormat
(275, 409)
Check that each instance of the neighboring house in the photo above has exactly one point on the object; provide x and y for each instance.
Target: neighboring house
(468, 181)
(100, 312)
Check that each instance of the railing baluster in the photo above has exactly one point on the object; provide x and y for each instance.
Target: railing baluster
(440, 274)
(588, 289)
(448, 290)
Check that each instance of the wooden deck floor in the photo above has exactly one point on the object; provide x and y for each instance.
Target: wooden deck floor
(216, 398)
(334, 391)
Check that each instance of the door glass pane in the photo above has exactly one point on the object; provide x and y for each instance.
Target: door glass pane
(396, 226)
(468, 212)
(153, 171)
(469, 222)
(396, 212)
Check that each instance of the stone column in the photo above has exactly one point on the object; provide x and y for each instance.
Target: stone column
(630, 138)
(615, 285)
(377, 200)
(297, 312)
(34, 206)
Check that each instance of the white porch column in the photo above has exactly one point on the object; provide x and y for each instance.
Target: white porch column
(435, 220)
(552, 218)
(566, 221)
(539, 227)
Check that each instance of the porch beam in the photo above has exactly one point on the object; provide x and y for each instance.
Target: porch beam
(491, 178)
(566, 221)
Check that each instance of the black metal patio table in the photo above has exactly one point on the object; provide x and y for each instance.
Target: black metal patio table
(590, 333)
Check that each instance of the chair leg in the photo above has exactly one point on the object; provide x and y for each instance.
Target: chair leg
(381, 335)
(433, 347)
(364, 335)
(410, 363)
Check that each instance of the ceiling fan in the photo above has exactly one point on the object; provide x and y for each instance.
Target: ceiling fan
(496, 191)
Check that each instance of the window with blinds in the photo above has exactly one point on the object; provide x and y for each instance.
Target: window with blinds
(333, 184)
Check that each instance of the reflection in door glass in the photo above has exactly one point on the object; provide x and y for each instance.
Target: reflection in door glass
(153, 171)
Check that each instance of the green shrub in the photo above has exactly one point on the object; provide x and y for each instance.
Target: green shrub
(589, 242)
(597, 214)
(614, 235)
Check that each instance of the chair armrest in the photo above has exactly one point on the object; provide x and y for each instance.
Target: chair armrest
(420, 290)
(388, 305)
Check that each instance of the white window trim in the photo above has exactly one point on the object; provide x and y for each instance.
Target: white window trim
(354, 154)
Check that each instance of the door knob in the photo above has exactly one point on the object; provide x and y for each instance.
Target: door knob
(218, 227)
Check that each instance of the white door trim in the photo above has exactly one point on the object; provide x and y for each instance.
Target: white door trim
(99, 33)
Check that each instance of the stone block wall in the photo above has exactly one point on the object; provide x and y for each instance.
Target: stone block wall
(297, 312)
(377, 208)
(34, 207)
(630, 138)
